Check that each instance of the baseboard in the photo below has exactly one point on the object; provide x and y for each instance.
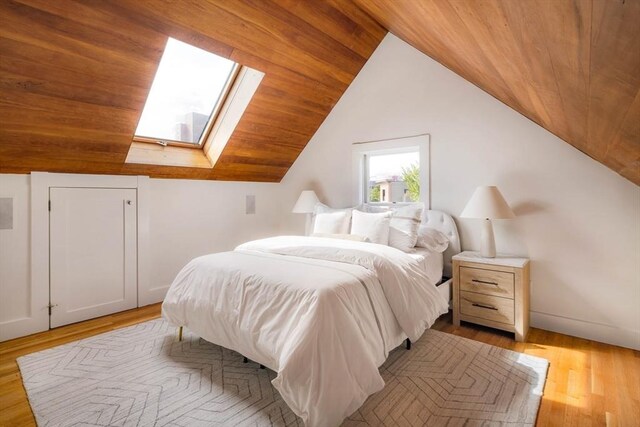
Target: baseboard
(17, 328)
(592, 331)
(151, 296)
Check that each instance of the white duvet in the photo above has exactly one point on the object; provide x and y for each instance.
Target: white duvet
(323, 313)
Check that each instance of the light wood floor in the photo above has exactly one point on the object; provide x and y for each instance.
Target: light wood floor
(589, 383)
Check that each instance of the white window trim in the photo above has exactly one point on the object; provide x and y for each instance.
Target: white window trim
(232, 110)
(360, 150)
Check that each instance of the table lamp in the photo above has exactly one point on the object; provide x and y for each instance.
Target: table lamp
(306, 204)
(487, 203)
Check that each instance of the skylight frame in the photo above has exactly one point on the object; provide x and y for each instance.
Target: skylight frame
(215, 112)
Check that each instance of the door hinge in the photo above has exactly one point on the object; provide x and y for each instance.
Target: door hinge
(49, 205)
(50, 307)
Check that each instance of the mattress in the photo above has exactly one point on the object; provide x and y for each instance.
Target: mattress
(431, 262)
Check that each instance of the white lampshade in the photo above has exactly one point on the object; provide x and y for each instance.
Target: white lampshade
(306, 202)
(487, 202)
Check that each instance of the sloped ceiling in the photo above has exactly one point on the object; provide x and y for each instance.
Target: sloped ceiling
(74, 76)
(572, 66)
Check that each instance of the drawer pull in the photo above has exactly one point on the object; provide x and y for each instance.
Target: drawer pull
(489, 307)
(484, 282)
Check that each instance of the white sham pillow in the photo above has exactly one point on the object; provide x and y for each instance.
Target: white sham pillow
(373, 226)
(332, 222)
(404, 226)
(351, 237)
(432, 239)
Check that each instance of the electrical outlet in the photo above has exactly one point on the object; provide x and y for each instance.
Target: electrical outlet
(6, 213)
(250, 207)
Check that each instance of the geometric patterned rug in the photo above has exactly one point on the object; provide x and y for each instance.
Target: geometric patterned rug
(143, 376)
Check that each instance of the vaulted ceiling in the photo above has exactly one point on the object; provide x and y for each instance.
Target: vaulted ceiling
(572, 66)
(74, 75)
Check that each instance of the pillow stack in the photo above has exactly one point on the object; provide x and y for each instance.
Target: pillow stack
(398, 227)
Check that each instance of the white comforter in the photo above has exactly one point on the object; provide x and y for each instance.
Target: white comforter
(322, 313)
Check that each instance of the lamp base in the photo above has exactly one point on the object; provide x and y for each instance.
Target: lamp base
(308, 224)
(487, 241)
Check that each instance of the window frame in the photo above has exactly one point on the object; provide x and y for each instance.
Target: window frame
(215, 112)
(363, 151)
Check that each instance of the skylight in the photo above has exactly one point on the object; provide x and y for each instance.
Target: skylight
(185, 96)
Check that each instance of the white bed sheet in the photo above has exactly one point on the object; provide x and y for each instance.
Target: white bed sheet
(431, 262)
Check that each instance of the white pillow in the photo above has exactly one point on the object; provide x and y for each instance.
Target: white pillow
(321, 208)
(373, 226)
(432, 239)
(404, 225)
(332, 222)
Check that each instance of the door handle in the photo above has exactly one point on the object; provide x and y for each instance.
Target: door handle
(129, 202)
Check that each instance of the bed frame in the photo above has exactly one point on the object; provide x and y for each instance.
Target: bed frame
(444, 223)
(438, 220)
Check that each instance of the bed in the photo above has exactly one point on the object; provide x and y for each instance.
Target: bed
(322, 313)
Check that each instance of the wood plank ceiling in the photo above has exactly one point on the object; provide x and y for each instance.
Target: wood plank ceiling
(74, 77)
(572, 66)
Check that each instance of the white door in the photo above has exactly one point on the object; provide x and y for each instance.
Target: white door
(93, 252)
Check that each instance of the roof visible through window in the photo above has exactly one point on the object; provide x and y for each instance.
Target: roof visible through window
(185, 96)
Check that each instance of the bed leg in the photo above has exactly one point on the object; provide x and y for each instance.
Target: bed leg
(245, 360)
(408, 343)
(180, 333)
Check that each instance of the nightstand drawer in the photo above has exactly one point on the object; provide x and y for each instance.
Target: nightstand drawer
(492, 308)
(489, 282)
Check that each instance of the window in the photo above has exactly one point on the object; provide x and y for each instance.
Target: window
(186, 95)
(393, 177)
(392, 170)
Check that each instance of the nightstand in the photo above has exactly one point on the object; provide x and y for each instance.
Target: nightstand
(492, 292)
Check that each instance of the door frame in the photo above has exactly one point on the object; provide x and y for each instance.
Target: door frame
(41, 182)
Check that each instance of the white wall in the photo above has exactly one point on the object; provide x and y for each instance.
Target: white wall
(577, 220)
(186, 219)
(14, 251)
(193, 218)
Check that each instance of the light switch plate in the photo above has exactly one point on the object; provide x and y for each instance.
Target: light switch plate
(6, 213)
(250, 208)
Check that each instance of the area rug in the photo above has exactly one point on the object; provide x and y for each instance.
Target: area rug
(143, 376)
